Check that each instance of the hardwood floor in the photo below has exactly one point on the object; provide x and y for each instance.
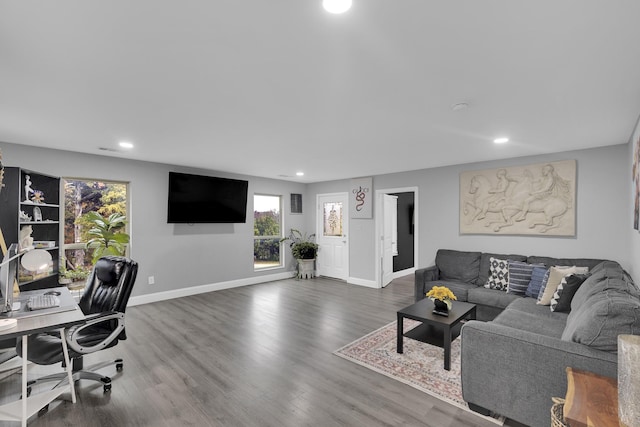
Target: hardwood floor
(258, 355)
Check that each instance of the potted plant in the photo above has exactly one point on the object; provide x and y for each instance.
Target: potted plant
(304, 249)
(107, 238)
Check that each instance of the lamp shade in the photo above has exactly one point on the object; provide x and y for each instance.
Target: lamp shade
(629, 380)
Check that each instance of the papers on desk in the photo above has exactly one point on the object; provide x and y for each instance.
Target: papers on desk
(8, 324)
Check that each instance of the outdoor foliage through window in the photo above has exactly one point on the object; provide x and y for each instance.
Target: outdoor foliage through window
(267, 231)
(81, 197)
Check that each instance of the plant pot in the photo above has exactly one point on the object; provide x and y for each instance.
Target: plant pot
(306, 268)
(441, 308)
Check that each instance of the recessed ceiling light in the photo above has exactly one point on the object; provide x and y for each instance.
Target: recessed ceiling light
(460, 106)
(299, 173)
(501, 140)
(125, 144)
(336, 6)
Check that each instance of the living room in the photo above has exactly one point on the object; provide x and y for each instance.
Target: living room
(193, 259)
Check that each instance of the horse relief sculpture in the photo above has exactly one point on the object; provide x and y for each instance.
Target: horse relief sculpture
(532, 200)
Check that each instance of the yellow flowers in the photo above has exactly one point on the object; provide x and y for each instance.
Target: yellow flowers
(442, 293)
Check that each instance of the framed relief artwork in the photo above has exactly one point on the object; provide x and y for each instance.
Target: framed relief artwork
(538, 199)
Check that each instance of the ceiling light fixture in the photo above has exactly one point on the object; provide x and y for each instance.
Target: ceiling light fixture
(336, 6)
(501, 140)
(125, 144)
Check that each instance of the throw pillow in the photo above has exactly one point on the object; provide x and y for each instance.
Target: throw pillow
(561, 301)
(545, 279)
(519, 277)
(555, 277)
(499, 277)
(535, 284)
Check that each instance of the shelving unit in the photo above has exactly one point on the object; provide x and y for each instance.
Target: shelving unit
(18, 211)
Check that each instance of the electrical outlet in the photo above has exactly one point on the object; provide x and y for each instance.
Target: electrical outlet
(152, 280)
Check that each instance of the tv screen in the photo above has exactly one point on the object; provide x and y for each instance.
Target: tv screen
(206, 199)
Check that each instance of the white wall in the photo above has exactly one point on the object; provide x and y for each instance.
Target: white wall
(603, 229)
(177, 255)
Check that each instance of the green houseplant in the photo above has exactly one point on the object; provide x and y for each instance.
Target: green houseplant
(107, 239)
(304, 249)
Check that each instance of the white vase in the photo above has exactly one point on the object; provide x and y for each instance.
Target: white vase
(306, 268)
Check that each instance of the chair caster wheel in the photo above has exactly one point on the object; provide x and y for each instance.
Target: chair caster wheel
(43, 411)
(107, 388)
(119, 367)
(28, 391)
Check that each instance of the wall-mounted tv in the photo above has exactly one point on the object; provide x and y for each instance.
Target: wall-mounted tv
(206, 199)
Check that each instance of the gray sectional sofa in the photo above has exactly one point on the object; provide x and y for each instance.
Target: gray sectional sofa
(514, 362)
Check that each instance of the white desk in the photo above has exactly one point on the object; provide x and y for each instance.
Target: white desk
(29, 324)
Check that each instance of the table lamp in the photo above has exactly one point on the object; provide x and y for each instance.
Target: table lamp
(629, 380)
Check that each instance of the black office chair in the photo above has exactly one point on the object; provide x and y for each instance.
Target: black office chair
(103, 302)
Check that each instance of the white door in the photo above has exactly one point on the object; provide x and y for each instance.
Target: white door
(331, 236)
(389, 236)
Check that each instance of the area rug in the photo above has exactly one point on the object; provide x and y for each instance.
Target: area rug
(421, 365)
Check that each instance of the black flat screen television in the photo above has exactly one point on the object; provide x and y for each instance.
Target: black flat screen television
(206, 199)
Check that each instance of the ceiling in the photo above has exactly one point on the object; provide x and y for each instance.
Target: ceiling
(270, 88)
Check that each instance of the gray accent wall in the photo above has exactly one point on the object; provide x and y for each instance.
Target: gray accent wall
(177, 255)
(182, 256)
(602, 214)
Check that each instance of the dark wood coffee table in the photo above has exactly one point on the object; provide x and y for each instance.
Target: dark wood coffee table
(436, 330)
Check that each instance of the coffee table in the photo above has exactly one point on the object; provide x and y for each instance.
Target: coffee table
(436, 330)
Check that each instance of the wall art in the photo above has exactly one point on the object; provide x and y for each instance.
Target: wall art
(537, 199)
(361, 198)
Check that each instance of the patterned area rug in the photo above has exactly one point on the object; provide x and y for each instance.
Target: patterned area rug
(420, 366)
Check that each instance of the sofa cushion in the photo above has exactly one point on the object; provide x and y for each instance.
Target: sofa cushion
(499, 277)
(578, 262)
(485, 265)
(458, 266)
(528, 305)
(519, 277)
(548, 326)
(598, 321)
(561, 301)
(490, 297)
(459, 289)
(608, 275)
(556, 274)
(537, 279)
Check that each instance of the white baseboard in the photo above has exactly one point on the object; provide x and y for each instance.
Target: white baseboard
(201, 289)
(363, 282)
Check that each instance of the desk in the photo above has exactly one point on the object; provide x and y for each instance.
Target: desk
(591, 400)
(22, 409)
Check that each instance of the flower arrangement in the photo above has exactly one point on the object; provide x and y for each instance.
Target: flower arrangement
(441, 293)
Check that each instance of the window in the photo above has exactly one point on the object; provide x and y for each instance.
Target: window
(80, 197)
(267, 231)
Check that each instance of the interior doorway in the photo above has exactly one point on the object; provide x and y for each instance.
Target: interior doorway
(332, 223)
(396, 232)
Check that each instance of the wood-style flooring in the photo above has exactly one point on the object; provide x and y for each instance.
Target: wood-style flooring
(257, 355)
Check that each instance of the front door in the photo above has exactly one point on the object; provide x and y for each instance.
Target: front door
(331, 236)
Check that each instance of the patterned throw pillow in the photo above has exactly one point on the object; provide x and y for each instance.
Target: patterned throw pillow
(498, 274)
(537, 278)
(561, 301)
(519, 277)
(555, 277)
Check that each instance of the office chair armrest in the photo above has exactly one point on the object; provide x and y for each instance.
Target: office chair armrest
(72, 333)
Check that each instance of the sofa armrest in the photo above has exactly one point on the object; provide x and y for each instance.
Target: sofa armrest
(423, 276)
(515, 373)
